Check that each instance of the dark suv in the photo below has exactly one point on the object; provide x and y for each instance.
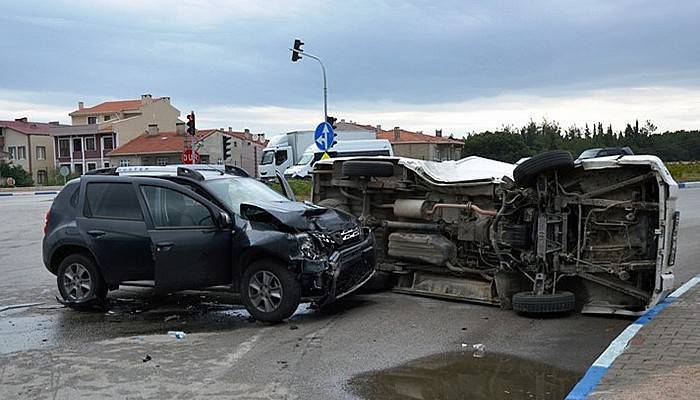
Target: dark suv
(193, 227)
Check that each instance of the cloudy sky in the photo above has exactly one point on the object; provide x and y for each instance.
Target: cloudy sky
(462, 66)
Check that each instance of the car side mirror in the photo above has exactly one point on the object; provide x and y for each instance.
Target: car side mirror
(224, 220)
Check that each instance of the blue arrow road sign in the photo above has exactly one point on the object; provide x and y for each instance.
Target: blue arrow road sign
(324, 136)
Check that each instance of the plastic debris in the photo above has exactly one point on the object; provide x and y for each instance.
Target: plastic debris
(479, 350)
(147, 358)
(14, 306)
(177, 334)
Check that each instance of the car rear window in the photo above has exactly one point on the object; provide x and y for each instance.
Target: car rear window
(112, 200)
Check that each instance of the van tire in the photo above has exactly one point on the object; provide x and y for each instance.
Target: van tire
(279, 280)
(526, 173)
(368, 168)
(530, 303)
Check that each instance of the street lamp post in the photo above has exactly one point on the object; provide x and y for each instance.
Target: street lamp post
(296, 52)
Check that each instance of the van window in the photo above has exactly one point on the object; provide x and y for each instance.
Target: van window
(306, 158)
(280, 157)
(267, 157)
(112, 200)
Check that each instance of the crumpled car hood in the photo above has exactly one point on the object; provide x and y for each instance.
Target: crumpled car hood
(299, 216)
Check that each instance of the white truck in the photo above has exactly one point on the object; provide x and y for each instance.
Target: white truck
(285, 150)
(344, 148)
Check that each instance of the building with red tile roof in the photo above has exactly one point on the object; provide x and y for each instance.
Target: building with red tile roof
(413, 144)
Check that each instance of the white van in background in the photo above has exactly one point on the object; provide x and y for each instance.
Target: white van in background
(345, 148)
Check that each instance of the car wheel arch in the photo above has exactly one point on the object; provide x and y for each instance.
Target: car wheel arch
(252, 254)
(65, 250)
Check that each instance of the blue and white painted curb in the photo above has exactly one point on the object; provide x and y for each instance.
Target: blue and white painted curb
(688, 185)
(595, 373)
(39, 193)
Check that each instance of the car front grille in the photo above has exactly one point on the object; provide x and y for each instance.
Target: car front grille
(351, 275)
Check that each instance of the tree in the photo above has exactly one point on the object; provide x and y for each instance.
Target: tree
(21, 177)
(503, 146)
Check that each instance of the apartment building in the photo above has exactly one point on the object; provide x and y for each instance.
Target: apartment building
(128, 119)
(82, 148)
(29, 144)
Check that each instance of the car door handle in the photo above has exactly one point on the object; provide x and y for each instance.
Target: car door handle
(96, 233)
(164, 246)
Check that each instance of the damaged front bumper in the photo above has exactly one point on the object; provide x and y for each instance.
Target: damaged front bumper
(343, 272)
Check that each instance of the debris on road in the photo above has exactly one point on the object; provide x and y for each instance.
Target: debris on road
(293, 327)
(177, 334)
(170, 318)
(147, 358)
(15, 306)
(479, 350)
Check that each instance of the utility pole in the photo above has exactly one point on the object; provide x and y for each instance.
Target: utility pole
(297, 53)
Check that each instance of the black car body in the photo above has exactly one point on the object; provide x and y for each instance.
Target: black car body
(200, 226)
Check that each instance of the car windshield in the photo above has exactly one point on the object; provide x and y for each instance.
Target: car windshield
(590, 153)
(235, 191)
(306, 158)
(267, 157)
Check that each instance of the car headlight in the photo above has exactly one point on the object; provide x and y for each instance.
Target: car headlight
(306, 246)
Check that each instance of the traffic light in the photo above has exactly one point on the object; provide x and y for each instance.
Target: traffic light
(190, 124)
(331, 121)
(226, 148)
(297, 49)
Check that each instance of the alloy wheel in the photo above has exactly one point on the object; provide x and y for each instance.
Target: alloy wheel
(77, 282)
(265, 291)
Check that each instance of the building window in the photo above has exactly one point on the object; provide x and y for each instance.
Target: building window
(90, 144)
(41, 177)
(235, 144)
(63, 147)
(107, 117)
(41, 153)
(78, 168)
(108, 143)
(13, 152)
(91, 166)
(161, 161)
(124, 162)
(92, 120)
(77, 144)
(106, 164)
(21, 153)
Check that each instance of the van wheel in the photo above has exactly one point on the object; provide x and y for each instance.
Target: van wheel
(530, 303)
(79, 280)
(526, 173)
(269, 291)
(335, 203)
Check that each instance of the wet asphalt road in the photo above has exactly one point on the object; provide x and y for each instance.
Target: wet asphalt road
(57, 353)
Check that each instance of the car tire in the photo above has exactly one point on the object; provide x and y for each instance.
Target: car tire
(335, 203)
(271, 278)
(526, 173)
(530, 303)
(79, 280)
(368, 168)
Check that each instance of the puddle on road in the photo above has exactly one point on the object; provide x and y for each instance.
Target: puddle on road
(460, 375)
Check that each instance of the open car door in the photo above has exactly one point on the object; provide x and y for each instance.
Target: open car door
(190, 238)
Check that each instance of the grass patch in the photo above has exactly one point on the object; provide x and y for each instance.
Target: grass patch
(684, 171)
(300, 187)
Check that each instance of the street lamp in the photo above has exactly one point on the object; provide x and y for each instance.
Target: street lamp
(297, 53)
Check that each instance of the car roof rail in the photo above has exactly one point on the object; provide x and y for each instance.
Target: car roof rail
(189, 173)
(237, 171)
(103, 171)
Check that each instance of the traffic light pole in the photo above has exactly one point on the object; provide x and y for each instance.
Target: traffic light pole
(325, 86)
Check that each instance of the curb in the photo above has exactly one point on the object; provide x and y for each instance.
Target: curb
(11, 194)
(688, 185)
(596, 371)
